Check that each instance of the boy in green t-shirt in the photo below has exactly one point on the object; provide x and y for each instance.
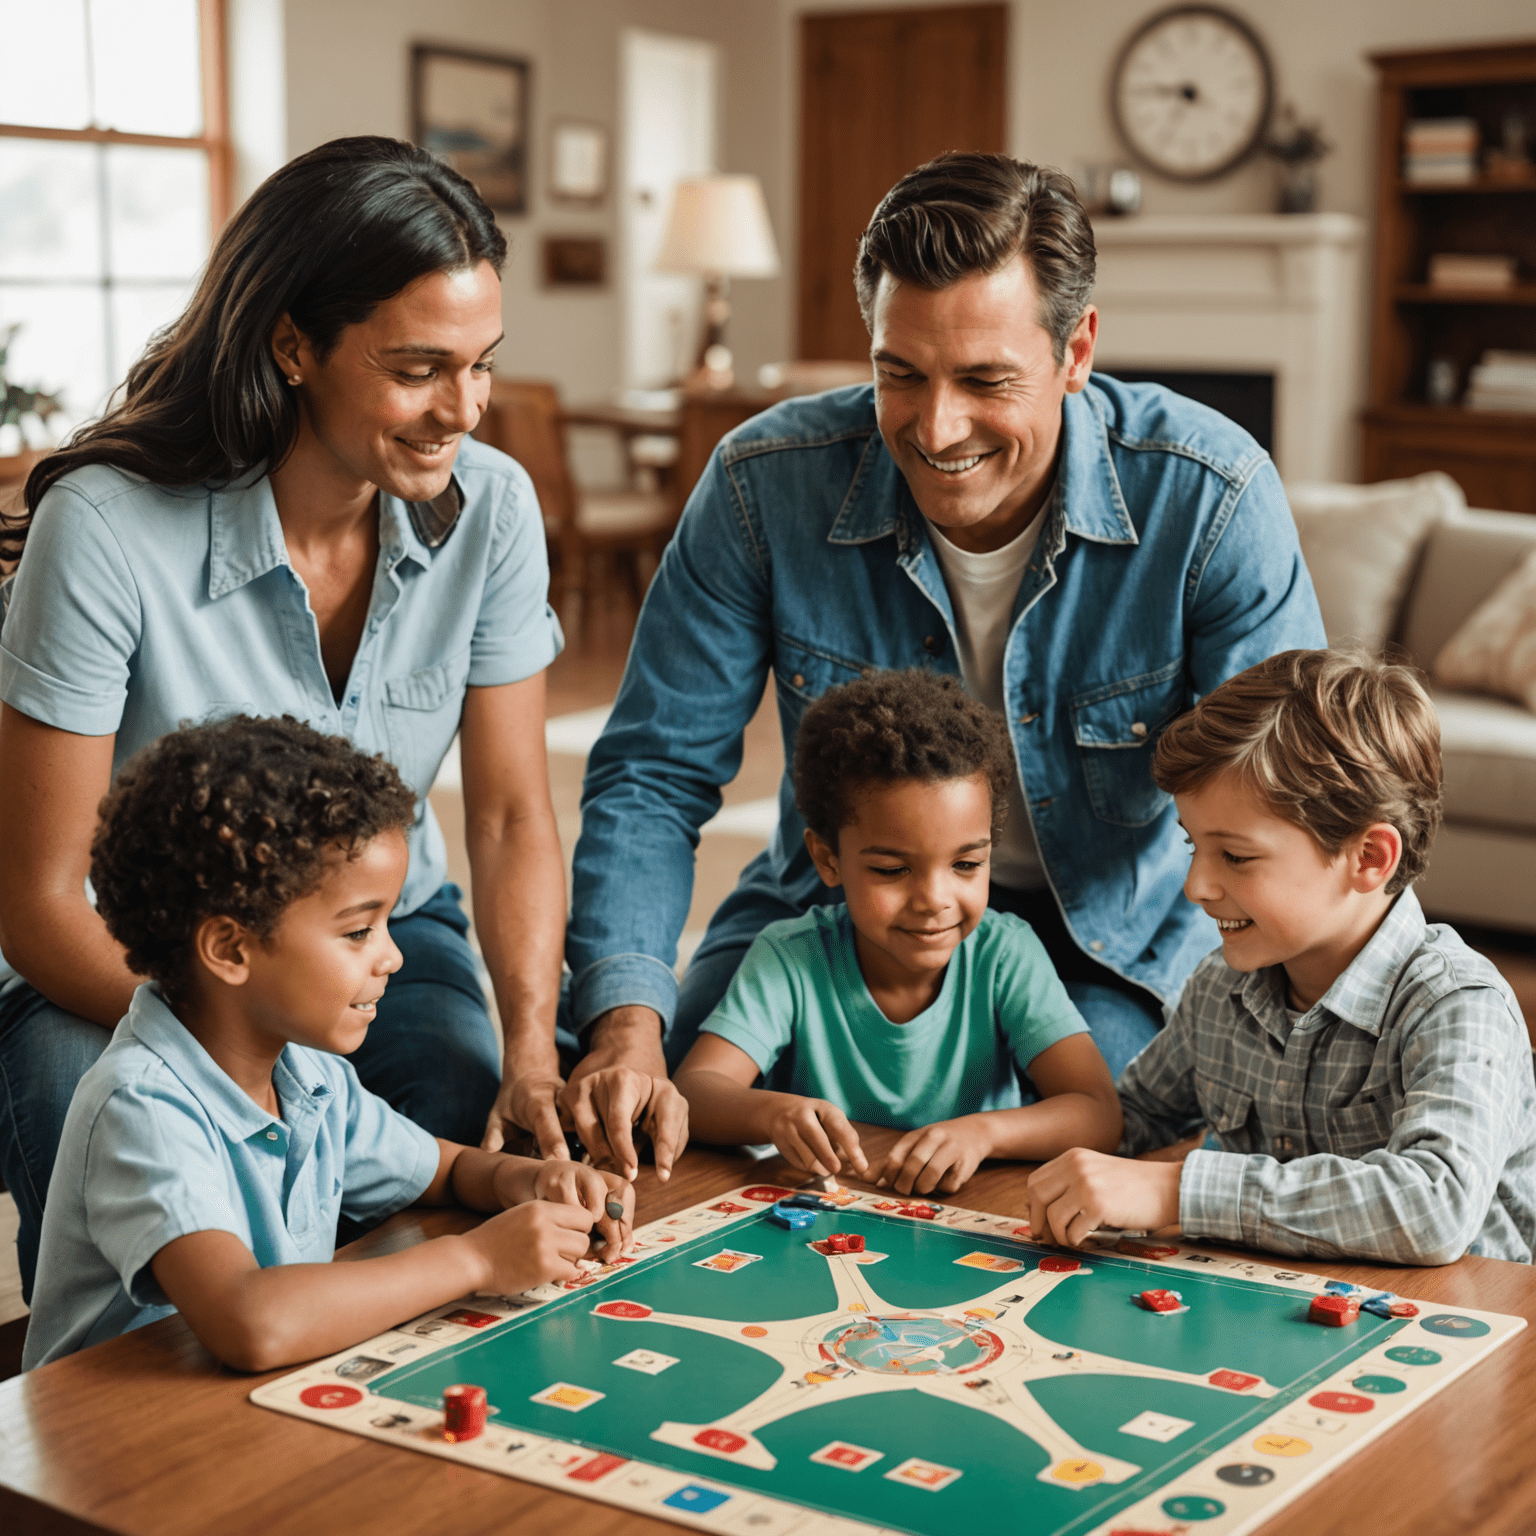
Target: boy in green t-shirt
(912, 1004)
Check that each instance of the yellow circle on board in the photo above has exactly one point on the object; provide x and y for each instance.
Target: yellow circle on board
(1077, 1471)
(1282, 1445)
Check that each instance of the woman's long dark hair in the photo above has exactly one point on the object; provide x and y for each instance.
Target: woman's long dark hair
(325, 240)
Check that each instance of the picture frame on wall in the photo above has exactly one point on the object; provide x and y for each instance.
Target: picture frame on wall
(471, 111)
(575, 261)
(578, 162)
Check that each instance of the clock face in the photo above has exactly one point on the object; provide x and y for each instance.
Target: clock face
(1192, 92)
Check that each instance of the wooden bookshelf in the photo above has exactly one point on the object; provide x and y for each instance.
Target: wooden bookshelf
(1491, 454)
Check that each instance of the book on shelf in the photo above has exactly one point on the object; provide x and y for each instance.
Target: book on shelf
(1503, 381)
(1440, 150)
(1452, 269)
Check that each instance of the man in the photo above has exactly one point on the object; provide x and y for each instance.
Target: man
(1090, 557)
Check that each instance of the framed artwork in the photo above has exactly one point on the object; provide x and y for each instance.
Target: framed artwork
(579, 261)
(471, 110)
(578, 162)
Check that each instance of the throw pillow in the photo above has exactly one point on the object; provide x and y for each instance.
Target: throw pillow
(1494, 651)
(1361, 543)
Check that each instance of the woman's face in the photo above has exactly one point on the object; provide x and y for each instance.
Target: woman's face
(390, 403)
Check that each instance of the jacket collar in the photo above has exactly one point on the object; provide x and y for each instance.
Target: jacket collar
(245, 535)
(1362, 993)
(238, 1117)
(879, 501)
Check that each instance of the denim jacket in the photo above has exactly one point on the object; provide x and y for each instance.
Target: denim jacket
(1168, 562)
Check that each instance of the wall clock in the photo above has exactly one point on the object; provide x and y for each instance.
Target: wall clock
(1191, 92)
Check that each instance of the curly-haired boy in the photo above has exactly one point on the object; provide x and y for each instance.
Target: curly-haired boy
(248, 868)
(911, 1003)
(1365, 1076)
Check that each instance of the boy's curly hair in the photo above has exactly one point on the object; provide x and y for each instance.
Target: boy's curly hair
(231, 820)
(1331, 741)
(885, 727)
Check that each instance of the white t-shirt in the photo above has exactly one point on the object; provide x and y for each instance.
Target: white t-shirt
(981, 591)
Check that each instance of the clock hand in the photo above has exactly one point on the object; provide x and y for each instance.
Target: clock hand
(1186, 92)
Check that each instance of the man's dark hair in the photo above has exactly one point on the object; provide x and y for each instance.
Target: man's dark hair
(230, 820)
(887, 727)
(971, 213)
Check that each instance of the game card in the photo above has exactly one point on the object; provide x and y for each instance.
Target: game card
(562, 1394)
(917, 1473)
(646, 1360)
(850, 1458)
(1161, 1427)
(995, 1263)
(727, 1261)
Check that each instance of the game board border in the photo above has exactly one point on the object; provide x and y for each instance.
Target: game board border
(576, 1468)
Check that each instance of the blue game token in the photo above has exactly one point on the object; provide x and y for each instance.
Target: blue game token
(1340, 1287)
(1380, 1306)
(791, 1217)
(805, 1202)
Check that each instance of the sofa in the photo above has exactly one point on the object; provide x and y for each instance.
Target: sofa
(1404, 564)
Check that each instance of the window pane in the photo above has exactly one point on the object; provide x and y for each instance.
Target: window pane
(49, 220)
(61, 342)
(157, 202)
(137, 313)
(44, 52)
(145, 66)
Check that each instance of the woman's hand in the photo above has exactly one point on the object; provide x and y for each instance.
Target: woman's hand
(1074, 1194)
(813, 1134)
(939, 1158)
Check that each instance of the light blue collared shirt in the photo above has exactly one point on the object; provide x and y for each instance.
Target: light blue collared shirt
(160, 1142)
(139, 608)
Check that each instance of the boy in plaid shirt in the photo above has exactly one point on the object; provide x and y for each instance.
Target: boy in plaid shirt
(1365, 1077)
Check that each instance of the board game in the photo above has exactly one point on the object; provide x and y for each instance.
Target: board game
(738, 1376)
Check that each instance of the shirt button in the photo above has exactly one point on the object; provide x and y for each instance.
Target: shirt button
(1030, 718)
(1096, 945)
(1139, 728)
(798, 680)
(930, 645)
(271, 1135)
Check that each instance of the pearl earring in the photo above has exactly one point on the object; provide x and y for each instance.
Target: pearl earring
(293, 378)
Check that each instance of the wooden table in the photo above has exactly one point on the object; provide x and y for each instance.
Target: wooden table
(148, 1435)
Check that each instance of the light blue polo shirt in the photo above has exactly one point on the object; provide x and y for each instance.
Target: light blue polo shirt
(159, 1142)
(137, 609)
(800, 1008)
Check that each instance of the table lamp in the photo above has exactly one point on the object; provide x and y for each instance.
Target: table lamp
(718, 229)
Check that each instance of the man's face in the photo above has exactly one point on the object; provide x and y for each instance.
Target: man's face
(968, 394)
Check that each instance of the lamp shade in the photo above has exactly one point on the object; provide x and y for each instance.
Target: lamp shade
(719, 226)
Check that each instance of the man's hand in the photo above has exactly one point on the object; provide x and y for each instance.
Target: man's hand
(528, 1101)
(622, 1082)
(1079, 1191)
(937, 1158)
(576, 1184)
(531, 1244)
(814, 1135)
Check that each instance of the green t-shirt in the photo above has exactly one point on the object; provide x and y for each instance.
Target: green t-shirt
(800, 1008)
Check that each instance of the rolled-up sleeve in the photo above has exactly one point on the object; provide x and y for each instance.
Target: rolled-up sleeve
(73, 622)
(1420, 1199)
(516, 631)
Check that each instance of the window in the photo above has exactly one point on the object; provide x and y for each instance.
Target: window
(114, 167)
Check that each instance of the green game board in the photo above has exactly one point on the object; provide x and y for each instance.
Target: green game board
(953, 1372)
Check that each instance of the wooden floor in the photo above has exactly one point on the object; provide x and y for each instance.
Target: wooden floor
(586, 677)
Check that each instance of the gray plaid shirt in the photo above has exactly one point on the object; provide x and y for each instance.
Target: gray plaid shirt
(1395, 1119)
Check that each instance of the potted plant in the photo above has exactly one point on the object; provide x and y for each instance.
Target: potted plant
(1296, 148)
(17, 401)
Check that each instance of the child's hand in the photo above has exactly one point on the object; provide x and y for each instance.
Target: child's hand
(1073, 1194)
(577, 1184)
(815, 1135)
(532, 1244)
(937, 1158)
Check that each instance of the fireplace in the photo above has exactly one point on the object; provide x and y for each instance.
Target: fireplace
(1258, 315)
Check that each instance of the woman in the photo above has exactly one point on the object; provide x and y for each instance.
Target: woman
(285, 514)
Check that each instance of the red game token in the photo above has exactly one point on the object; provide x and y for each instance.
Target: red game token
(1053, 1265)
(1334, 1311)
(844, 1242)
(1404, 1309)
(1160, 1301)
(463, 1412)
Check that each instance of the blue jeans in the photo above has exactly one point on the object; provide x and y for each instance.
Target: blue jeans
(1121, 1016)
(431, 1052)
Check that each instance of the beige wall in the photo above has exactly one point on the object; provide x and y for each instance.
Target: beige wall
(347, 72)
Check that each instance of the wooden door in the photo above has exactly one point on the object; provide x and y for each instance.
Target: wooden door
(881, 92)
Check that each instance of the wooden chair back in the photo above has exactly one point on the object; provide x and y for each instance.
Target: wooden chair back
(522, 419)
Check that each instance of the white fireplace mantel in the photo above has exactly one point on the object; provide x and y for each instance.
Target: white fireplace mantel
(1269, 293)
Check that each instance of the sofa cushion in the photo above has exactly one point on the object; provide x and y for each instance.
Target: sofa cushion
(1361, 543)
(1489, 751)
(1495, 650)
(1466, 557)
